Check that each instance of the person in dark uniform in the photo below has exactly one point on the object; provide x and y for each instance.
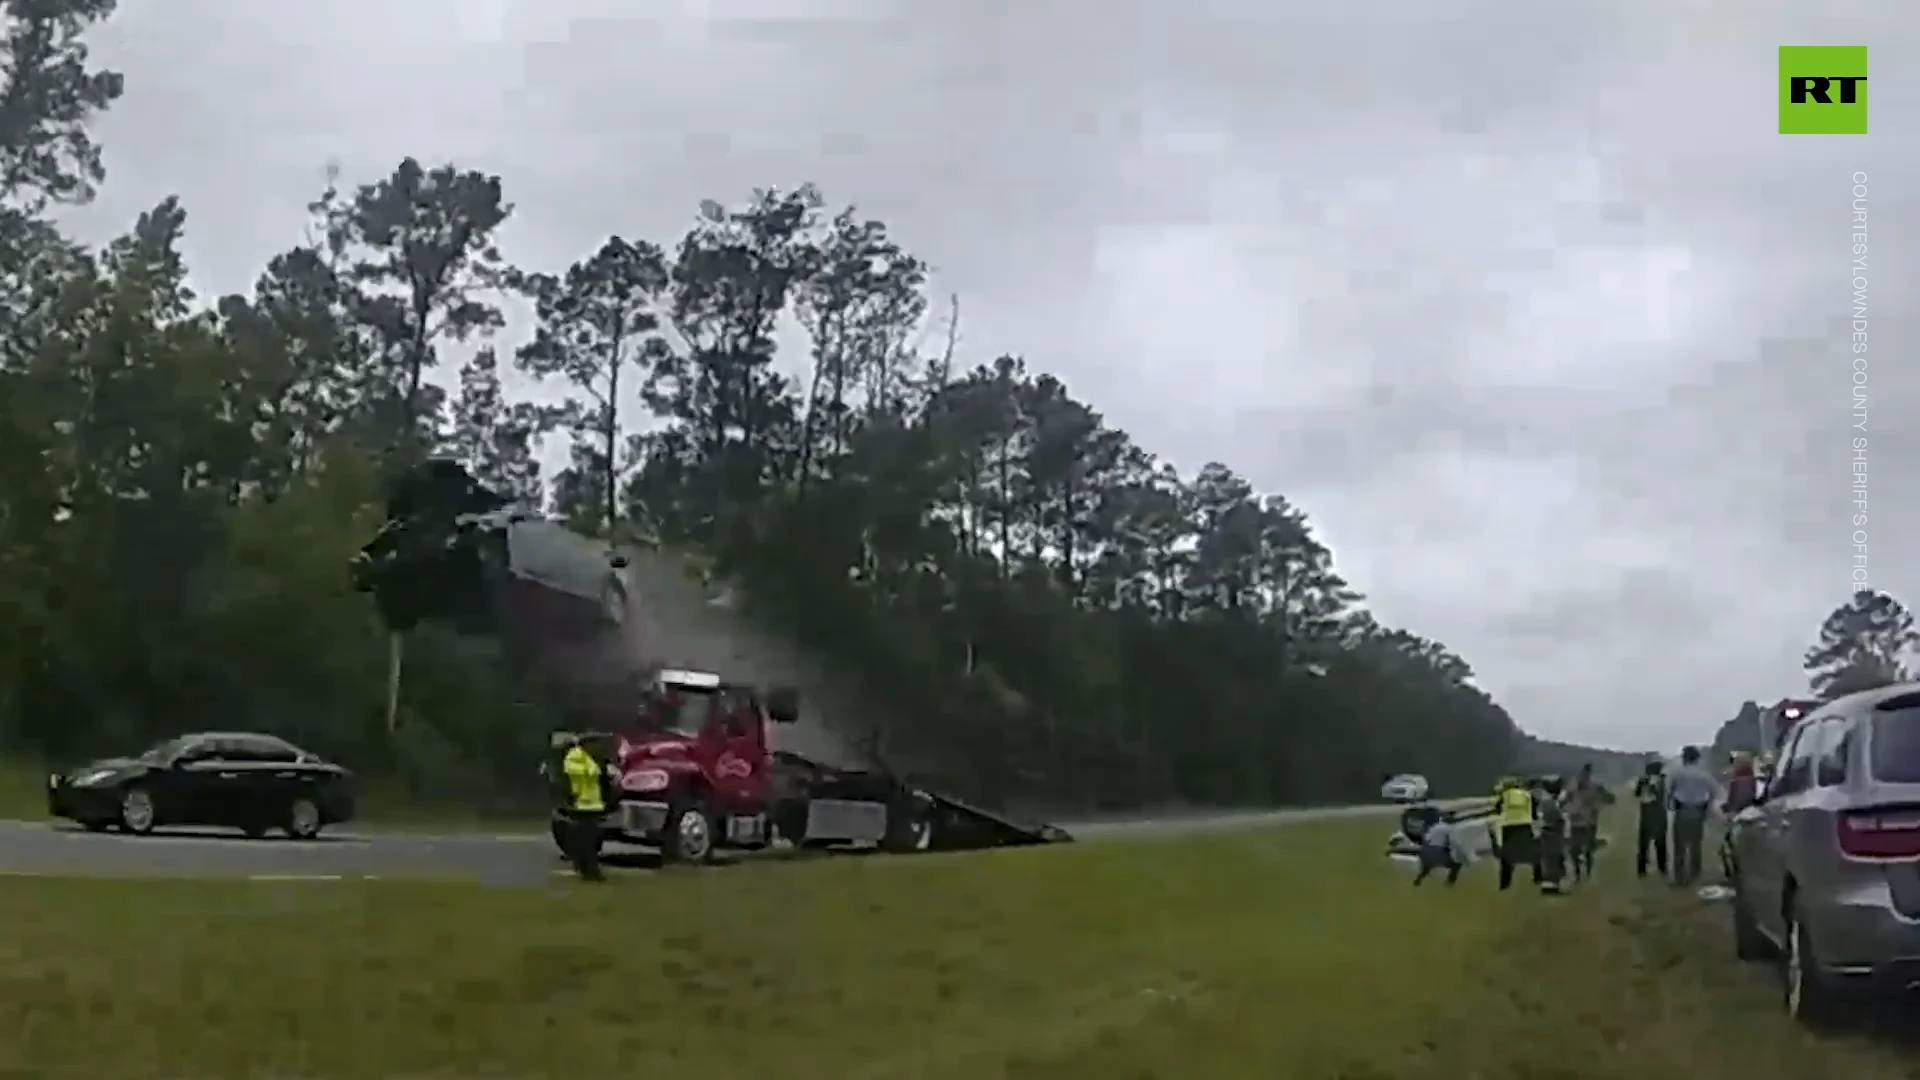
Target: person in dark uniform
(1550, 860)
(1650, 795)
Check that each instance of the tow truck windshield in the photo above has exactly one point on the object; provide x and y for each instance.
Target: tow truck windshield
(676, 712)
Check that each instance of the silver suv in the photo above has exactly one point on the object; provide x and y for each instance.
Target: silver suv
(1826, 864)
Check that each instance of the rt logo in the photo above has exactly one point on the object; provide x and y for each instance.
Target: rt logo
(1823, 90)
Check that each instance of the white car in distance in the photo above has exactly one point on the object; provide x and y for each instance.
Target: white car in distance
(1405, 788)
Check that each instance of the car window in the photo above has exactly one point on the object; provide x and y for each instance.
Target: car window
(1830, 753)
(197, 748)
(1795, 770)
(163, 752)
(735, 709)
(221, 748)
(1894, 740)
(264, 748)
(688, 717)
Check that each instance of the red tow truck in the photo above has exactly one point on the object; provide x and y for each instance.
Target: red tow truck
(697, 773)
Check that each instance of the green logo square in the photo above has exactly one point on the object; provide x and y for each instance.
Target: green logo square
(1823, 89)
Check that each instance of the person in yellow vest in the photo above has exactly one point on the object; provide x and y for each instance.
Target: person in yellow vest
(583, 807)
(1513, 824)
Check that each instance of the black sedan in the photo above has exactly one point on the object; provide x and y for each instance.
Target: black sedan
(240, 780)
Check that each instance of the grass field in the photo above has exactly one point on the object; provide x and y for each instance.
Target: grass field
(1295, 952)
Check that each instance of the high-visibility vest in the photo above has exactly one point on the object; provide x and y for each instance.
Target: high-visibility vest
(1516, 807)
(583, 782)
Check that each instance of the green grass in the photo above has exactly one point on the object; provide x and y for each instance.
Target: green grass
(23, 792)
(1295, 952)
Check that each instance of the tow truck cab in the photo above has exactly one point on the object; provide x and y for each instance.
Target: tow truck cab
(697, 772)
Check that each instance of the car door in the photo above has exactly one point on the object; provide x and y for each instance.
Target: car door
(1813, 820)
(740, 767)
(200, 784)
(1772, 835)
(270, 776)
(180, 786)
(233, 791)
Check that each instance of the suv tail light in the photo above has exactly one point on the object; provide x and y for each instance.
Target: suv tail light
(1890, 833)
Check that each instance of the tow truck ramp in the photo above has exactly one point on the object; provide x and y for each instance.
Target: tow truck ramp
(969, 826)
(954, 823)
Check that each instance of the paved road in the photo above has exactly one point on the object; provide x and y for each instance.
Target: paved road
(30, 848)
(36, 848)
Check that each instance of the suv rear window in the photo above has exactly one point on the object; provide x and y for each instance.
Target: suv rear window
(1896, 740)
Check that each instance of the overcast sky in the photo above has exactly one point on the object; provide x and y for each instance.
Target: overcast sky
(1526, 303)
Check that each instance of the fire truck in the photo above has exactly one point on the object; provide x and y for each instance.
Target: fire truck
(698, 772)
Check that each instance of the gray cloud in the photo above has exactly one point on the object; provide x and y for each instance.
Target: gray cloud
(1526, 303)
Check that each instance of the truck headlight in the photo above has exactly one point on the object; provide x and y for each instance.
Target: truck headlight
(645, 780)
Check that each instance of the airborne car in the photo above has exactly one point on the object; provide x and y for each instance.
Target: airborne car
(242, 780)
(456, 553)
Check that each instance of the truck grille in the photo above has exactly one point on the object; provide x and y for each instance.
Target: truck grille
(639, 818)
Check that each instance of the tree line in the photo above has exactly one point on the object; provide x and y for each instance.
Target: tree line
(1046, 608)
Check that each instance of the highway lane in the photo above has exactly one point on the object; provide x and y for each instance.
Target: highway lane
(30, 848)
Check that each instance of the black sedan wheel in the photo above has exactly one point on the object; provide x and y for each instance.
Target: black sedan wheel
(136, 810)
(303, 819)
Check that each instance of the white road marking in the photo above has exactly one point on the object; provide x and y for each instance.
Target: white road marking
(161, 841)
(295, 877)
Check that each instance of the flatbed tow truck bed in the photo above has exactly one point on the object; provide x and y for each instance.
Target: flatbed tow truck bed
(958, 825)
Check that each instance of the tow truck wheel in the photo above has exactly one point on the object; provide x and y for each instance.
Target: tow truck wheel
(789, 822)
(688, 836)
(909, 828)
